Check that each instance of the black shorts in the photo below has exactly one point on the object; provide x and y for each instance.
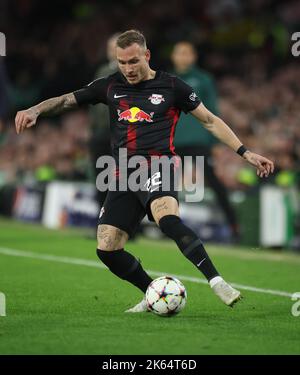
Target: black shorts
(126, 209)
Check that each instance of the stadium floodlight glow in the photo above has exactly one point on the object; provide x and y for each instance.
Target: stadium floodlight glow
(2, 44)
(2, 304)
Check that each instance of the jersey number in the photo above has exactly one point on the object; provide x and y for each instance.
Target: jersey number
(153, 182)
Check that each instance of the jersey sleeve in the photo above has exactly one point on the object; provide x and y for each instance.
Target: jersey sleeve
(185, 97)
(95, 92)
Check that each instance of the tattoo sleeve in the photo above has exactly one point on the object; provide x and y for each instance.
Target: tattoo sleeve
(56, 105)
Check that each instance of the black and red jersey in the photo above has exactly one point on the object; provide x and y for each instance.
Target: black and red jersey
(143, 116)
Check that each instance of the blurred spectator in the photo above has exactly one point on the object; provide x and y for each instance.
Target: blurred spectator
(192, 139)
(100, 133)
(246, 45)
(39, 155)
(263, 111)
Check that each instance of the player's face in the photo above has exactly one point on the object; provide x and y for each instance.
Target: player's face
(183, 56)
(134, 63)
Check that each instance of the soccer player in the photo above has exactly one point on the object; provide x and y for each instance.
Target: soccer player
(144, 108)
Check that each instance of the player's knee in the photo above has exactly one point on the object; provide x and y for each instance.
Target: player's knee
(106, 243)
(110, 238)
(164, 206)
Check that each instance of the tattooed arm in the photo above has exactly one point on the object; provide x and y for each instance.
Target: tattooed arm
(27, 118)
(217, 127)
(224, 133)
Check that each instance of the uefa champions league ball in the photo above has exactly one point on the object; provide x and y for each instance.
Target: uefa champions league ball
(166, 296)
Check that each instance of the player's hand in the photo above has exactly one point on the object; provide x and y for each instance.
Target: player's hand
(25, 119)
(263, 165)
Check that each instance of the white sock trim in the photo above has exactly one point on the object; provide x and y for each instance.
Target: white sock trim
(214, 281)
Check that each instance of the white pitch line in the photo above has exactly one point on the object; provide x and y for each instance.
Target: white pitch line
(96, 264)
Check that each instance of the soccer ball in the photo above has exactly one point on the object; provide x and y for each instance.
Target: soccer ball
(166, 296)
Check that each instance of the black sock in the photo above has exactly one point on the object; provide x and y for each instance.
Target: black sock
(189, 244)
(125, 266)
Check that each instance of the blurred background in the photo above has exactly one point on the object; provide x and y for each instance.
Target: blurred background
(244, 58)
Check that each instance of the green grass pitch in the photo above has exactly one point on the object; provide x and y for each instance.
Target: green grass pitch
(58, 306)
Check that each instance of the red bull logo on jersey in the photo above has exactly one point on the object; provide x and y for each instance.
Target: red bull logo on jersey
(135, 114)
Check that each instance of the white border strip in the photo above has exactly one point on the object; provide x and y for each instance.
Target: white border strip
(96, 264)
(2, 304)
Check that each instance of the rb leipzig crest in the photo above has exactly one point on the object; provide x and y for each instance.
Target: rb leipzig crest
(156, 98)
